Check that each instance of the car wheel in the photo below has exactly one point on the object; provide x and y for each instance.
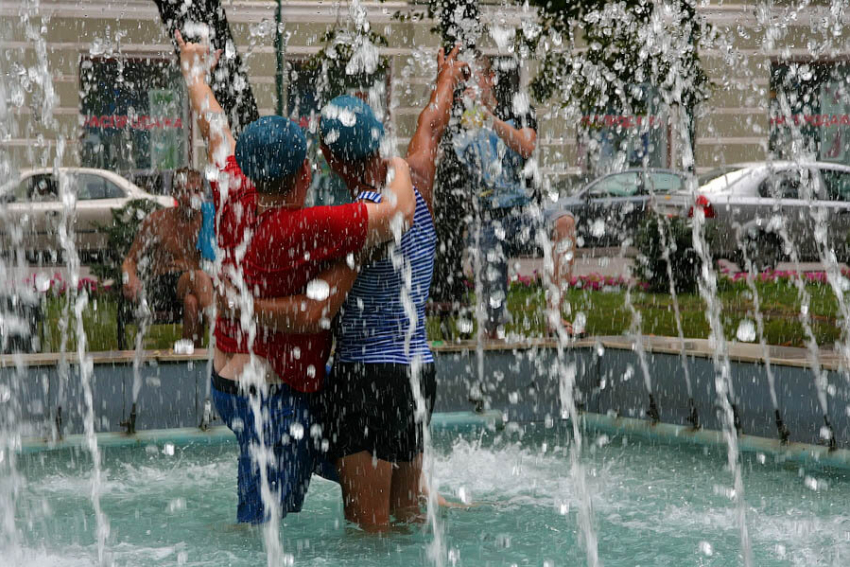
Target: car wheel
(764, 250)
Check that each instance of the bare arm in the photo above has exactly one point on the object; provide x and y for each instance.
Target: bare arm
(300, 313)
(196, 63)
(521, 140)
(422, 151)
(131, 284)
(394, 214)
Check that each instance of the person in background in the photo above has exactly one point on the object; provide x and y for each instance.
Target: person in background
(164, 258)
(263, 379)
(371, 410)
(494, 145)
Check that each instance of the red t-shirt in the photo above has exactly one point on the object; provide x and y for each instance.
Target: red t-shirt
(279, 251)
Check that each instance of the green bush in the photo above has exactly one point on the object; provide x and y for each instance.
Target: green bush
(120, 234)
(651, 263)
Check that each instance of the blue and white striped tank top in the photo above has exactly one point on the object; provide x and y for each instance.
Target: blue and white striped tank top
(386, 307)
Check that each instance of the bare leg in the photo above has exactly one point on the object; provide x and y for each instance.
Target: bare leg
(192, 327)
(406, 490)
(196, 291)
(366, 488)
(199, 284)
(563, 253)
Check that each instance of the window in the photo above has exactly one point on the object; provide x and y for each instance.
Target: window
(785, 185)
(617, 185)
(42, 188)
(837, 184)
(659, 182)
(135, 115)
(715, 173)
(91, 187)
(811, 99)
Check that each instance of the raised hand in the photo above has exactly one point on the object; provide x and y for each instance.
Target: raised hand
(449, 68)
(196, 60)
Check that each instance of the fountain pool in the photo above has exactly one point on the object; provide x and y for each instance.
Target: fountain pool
(653, 504)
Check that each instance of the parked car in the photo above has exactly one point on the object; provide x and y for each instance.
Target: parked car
(610, 208)
(31, 202)
(752, 203)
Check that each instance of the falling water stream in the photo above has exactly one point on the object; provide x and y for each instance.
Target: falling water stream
(676, 84)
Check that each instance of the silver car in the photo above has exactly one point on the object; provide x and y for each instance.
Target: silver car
(770, 209)
(32, 204)
(609, 209)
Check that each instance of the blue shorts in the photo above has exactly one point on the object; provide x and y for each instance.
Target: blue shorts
(286, 432)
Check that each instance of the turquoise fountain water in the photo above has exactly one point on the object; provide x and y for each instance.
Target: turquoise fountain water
(653, 505)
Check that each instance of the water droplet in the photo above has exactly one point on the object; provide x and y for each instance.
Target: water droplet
(97, 46)
(706, 549)
(296, 430)
(42, 282)
(580, 322)
(746, 331)
(168, 449)
(347, 118)
(630, 371)
(597, 228)
(176, 505)
(465, 326)
(318, 290)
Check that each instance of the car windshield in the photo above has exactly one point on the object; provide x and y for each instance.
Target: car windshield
(725, 181)
(623, 184)
(663, 182)
(715, 173)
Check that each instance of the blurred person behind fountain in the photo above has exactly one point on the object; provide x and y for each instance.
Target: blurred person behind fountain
(272, 246)
(493, 146)
(165, 258)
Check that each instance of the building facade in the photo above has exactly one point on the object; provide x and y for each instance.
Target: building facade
(101, 76)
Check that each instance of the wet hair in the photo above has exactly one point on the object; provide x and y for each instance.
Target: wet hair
(276, 186)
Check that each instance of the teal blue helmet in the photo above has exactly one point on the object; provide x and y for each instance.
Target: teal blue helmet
(271, 148)
(350, 129)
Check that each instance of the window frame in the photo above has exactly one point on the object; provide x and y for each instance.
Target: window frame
(146, 59)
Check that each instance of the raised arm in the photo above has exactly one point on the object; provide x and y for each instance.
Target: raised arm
(394, 214)
(422, 151)
(196, 63)
(521, 140)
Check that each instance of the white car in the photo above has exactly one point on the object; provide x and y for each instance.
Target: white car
(755, 206)
(32, 204)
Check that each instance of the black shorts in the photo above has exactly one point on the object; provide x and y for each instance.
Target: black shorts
(162, 294)
(370, 407)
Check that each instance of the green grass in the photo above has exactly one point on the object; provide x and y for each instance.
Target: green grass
(100, 325)
(606, 313)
